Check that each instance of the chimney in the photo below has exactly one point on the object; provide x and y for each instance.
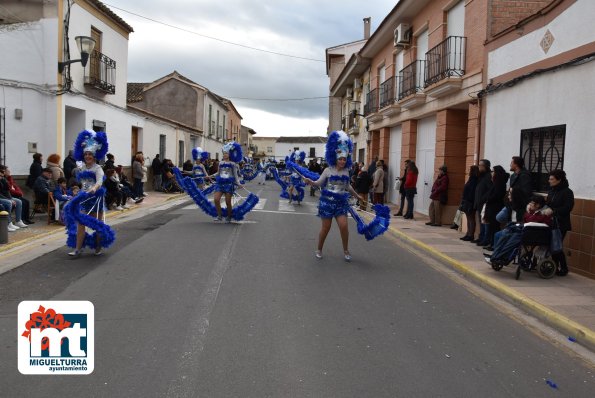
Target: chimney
(367, 27)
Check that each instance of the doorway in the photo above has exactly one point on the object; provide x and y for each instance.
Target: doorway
(425, 155)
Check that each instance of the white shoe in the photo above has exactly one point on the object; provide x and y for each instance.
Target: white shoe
(11, 225)
(347, 257)
(119, 208)
(21, 224)
(318, 254)
(126, 207)
(75, 253)
(145, 195)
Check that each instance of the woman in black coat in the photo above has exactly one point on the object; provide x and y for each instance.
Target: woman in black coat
(494, 200)
(560, 199)
(362, 186)
(34, 170)
(468, 200)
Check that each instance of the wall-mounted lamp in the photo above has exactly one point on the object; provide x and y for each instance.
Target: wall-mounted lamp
(86, 46)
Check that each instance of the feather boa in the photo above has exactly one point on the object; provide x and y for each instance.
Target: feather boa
(179, 177)
(299, 196)
(377, 226)
(304, 171)
(73, 216)
(201, 200)
(281, 183)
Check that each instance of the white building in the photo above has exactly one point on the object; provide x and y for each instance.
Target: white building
(313, 146)
(540, 106)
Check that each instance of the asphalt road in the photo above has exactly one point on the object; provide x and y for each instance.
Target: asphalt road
(187, 307)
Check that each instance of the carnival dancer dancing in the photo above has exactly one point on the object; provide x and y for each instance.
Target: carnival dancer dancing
(199, 172)
(227, 178)
(87, 208)
(334, 181)
(295, 178)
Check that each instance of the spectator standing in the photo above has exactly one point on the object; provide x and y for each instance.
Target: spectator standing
(521, 187)
(109, 163)
(467, 202)
(156, 168)
(411, 188)
(494, 200)
(378, 184)
(69, 165)
(35, 170)
(484, 183)
(402, 189)
(560, 199)
(438, 197)
(138, 175)
(363, 181)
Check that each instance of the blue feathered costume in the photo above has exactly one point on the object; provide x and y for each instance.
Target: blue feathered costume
(226, 179)
(296, 182)
(79, 208)
(199, 173)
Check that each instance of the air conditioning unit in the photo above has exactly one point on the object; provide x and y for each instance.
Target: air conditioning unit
(357, 84)
(402, 35)
(349, 93)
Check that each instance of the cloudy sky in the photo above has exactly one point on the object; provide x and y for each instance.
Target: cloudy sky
(303, 28)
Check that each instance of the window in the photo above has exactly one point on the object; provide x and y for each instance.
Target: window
(269, 149)
(542, 149)
(296, 148)
(224, 128)
(161, 146)
(312, 152)
(210, 119)
(98, 126)
(217, 124)
(180, 153)
(193, 141)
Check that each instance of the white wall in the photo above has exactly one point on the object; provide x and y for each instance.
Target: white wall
(286, 148)
(113, 45)
(394, 165)
(573, 28)
(564, 97)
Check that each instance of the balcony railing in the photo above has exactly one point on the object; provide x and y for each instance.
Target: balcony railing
(412, 79)
(387, 92)
(101, 73)
(371, 105)
(446, 60)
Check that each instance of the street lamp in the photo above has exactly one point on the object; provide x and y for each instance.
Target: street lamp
(86, 46)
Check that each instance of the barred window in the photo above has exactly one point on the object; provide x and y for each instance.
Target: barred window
(542, 149)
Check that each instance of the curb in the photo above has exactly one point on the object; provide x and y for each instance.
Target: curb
(583, 335)
(9, 246)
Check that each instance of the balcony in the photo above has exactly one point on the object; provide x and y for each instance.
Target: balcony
(101, 74)
(371, 105)
(445, 65)
(412, 85)
(387, 92)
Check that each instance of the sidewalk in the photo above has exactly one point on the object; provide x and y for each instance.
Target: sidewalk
(566, 303)
(40, 229)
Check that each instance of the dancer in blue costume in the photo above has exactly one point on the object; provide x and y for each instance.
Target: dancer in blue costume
(334, 181)
(199, 172)
(87, 209)
(296, 186)
(227, 178)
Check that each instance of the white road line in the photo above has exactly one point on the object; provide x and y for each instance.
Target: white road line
(260, 204)
(283, 212)
(286, 207)
(183, 385)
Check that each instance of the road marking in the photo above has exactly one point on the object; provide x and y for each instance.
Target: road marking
(286, 207)
(183, 385)
(260, 204)
(283, 212)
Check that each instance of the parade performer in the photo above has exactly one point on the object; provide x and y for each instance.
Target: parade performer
(295, 190)
(247, 171)
(336, 189)
(199, 172)
(226, 180)
(261, 172)
(87, 208)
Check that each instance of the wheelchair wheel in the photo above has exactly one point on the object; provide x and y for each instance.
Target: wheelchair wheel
(546, 269)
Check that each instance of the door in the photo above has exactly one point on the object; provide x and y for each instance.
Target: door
(394, 163)
(134, 142)
(456, 20)
(425, 154)
(422, 49)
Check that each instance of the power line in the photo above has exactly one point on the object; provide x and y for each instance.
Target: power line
(215, 38)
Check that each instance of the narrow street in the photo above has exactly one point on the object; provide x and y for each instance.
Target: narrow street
(188, 307)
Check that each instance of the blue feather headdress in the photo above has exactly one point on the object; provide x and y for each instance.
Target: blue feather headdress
(235, 151)
(199, 153)
(90, 141)
(338, 145)
(297, 155)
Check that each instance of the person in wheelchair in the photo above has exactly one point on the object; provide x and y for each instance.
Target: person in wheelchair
(510, 238)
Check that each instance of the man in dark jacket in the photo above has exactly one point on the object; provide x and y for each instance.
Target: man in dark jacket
(69, 165)
(35, 170)
(363, 181)
(157, 168)
(42, 186)
(438, 197)
(484, 183)
(521, 187)
(560, 199)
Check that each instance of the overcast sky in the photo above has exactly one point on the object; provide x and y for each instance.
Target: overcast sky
(303, 28)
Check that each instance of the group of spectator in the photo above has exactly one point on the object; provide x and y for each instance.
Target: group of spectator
(163, 177)
(371, 182)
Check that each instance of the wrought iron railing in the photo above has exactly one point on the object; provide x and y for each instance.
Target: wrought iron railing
(445, 60)
(371, 105)
(543, 151)
(412, 79)
(387, 92)
(101, 73)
